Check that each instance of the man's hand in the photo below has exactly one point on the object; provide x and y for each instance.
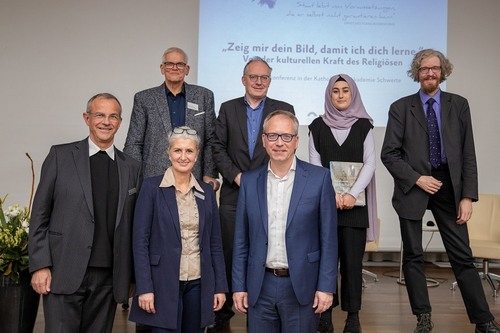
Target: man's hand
(147, 302)
(41, 281)
(322, 301)
(237, 179)
(429, 184)
(212, 181)
(240, 300)
(219, 300)
(464, 210)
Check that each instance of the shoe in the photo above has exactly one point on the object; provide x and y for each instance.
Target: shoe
(424, 324)
(352, 325)
(219, 326)
(325, 322)
(488, 327)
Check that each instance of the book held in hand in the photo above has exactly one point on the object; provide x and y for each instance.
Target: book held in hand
(344, 175)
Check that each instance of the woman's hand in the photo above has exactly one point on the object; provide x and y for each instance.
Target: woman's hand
(147, 302)
(219, 300)
(348, 201)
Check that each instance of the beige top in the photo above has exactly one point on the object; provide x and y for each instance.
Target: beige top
(190, 268)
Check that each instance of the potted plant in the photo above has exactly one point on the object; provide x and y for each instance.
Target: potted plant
(18, 301)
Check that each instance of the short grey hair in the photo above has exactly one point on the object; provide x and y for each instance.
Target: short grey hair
(103, 96)
(184, 135)
(172, 50)
(254, 59)
(287, 114)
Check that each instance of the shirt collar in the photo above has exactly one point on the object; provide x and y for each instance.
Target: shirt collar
(168, 180)
(93, 149)
(424, 97)
(258, 106)
(168, 92)
(292, 168)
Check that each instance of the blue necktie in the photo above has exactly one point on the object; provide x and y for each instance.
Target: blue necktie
(434, 139)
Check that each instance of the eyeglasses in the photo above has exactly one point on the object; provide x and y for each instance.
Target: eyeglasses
(114, 118)
(425, 70)
(255, 78)
(180, 130)
(171, 65)
(285, 137)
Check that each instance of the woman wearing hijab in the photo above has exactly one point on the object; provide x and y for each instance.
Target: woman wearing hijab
(344, 134)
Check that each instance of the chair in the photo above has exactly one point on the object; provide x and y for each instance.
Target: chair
(484, 235)
(372, 247)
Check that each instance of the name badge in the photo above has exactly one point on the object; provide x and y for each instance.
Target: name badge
(192, 106)
(199, 195)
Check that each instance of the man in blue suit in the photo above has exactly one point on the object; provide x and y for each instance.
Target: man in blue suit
(285, 244)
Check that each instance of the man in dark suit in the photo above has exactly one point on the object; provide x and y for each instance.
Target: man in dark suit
(238, 148)
(81, 226)
(173, 104)
(285, 242)
(439, 174)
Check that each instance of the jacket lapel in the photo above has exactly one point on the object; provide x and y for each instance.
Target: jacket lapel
(200, 202)
(241, 117)
(169, 201)
(82, 165)
(262, 197)
(445, 110)
(418, 111)
(123, 185)
(299, 185)
(160, 99)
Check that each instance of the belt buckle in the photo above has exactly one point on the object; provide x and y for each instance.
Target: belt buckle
(275, 270)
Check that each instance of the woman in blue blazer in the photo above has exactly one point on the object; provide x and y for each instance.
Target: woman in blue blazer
(179, 265)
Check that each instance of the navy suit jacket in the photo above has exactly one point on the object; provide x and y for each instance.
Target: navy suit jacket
(311, 233)
(405, 151)
(62, 219)
(157, 250)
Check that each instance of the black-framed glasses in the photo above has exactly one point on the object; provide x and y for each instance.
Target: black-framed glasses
(285, 137)
(171, 65)
(255, 78)
(434, 69)
(180, 130)
(114, 117)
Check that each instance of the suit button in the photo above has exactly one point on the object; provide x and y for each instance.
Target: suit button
(89, 247)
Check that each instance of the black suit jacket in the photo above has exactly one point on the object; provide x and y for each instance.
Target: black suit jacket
(230, 149)
(62, 219)
(405, 151)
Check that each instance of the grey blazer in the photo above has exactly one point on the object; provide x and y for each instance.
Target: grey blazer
(62, 219)
(405, 151)
(150, 123)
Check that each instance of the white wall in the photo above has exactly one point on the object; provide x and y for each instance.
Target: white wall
(55, 54)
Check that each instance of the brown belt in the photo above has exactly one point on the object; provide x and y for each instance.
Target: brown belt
(281, 272)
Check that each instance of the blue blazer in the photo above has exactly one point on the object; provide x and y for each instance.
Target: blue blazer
(311, 233)
(157, 250)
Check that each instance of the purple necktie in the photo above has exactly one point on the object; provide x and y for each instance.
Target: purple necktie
(434, 139)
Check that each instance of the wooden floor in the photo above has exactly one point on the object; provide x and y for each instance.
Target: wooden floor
(385, 307)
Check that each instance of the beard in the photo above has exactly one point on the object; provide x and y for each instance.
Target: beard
(430, 86)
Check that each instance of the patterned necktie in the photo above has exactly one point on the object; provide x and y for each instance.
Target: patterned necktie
(434, 139)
